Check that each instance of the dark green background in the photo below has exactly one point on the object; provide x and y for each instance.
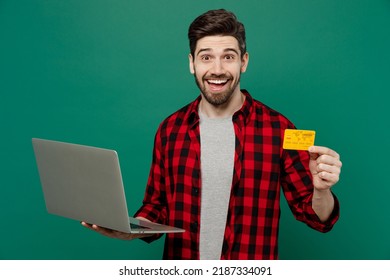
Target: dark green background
(105, 73)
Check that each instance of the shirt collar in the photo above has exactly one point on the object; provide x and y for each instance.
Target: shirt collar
(193, 118)
(246, 108)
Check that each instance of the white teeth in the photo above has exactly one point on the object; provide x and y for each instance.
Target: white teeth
(217, 81)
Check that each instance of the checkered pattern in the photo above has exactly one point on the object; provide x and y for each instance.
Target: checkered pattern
(261, 169)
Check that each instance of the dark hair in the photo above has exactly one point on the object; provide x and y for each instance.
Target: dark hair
(216, 22)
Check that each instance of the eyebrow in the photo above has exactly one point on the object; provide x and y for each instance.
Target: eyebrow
(225, 50)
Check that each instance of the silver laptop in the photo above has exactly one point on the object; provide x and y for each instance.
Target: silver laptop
(85, 183)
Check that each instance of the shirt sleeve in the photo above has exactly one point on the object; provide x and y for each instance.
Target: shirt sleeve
(154, 203)
(297, 185)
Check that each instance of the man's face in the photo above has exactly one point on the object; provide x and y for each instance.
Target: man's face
(217, 66)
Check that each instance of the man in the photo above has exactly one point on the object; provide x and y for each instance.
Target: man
(218, 163)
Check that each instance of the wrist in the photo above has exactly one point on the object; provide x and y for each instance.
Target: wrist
(321, 193)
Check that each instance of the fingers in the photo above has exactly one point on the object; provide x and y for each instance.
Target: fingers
(93, 227)
(328, 178)
(84, 224)
(325, 165)
(324, 155)
(108, 232)
(328, 163)
(319, 150)
(329, 168)
(114, 233)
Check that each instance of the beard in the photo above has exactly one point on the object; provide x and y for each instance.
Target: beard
(219, 98)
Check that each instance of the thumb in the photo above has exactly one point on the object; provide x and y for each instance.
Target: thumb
(313, 154)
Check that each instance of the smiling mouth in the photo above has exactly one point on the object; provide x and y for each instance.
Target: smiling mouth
(217, 84)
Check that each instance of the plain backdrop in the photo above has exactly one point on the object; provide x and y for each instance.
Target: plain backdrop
(106, 73)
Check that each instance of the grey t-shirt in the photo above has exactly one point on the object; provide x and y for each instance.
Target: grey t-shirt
(217, 162)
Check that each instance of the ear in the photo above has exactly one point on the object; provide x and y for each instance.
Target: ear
(244, 62)
(191, 62)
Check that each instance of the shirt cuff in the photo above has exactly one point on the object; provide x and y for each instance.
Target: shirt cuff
(327, 225)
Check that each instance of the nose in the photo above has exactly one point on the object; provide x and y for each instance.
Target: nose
(217, 68)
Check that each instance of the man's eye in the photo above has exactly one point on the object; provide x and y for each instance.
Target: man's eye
(205, 57)
(229, 57)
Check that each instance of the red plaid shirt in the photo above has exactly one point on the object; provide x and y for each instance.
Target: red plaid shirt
(261, 166)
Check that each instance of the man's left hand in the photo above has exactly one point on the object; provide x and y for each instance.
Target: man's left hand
(325, 166)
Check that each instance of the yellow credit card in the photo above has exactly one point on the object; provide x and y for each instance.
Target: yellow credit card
(296, 139)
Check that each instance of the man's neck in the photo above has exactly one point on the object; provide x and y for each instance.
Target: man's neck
(225, 110)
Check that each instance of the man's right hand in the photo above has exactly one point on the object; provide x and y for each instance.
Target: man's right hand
(114, 233)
